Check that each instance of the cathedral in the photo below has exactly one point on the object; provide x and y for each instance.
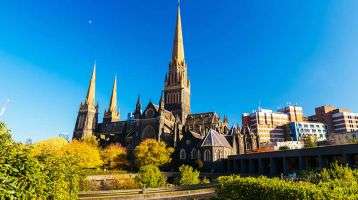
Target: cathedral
(195, 136)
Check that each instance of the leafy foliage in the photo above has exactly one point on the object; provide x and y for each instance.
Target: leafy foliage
(90, 140)
(235, 187)
(150, 176)
(283, 148)
(49, 147)
(20, 174)
(337, 182)
(62, 176)
(87, 154)
(310, 141)
(40, 171)
(114, 156)
(188, 176)
(152, 152)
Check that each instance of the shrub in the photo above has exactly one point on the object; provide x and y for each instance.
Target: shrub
(114, 156)
(312, 176)
(36, 172)
(188, 176)
(283, 148)
(150, 176)
(62, 177)
(337, 182)
(205, 181)
(20, 174)
(235, 187)
(152, 152)
(338, 172)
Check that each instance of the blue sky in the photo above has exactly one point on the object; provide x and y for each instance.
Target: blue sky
(240, 54)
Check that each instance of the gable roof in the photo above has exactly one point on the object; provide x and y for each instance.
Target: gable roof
(215, 139)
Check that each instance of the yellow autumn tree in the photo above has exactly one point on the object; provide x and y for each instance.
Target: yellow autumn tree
(114, 156)
(88, 155)
(90, 139)
(153, 152)
(51, 146)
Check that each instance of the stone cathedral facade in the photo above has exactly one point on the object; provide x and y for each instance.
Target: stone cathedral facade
(195, 136)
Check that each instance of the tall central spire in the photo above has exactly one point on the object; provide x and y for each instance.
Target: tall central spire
(90, 100)
(178, 45)
(176, 95)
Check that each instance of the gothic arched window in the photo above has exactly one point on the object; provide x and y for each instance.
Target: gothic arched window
(193, 154)
(218, 155)
(199, 155)
(207, 155)
(182, 154)
(222, 155)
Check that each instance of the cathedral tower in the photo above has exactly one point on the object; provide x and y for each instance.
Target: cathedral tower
(112, 114)
(177, 84)
(88, 114)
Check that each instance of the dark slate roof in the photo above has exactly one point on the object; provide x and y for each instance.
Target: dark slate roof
(230, 139)
(215, 139)
(156, 107)
(200, 115)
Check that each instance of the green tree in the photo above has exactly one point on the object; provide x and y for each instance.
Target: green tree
(20, 174)
(310, 141)
(150, 176)
(188, 176)
(62, 176)
(152, 152)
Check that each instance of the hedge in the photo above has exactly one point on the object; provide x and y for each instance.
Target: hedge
(262, 188)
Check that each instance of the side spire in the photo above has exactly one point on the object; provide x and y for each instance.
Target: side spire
(161, 101)
(113, 102)
(90, 99)
(138, 109)
(178, 44)
(138, 105)
(112, 115)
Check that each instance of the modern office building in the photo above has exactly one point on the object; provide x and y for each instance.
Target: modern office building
(270, 126)
(345, 122)
(338, 120)
(299, 130)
